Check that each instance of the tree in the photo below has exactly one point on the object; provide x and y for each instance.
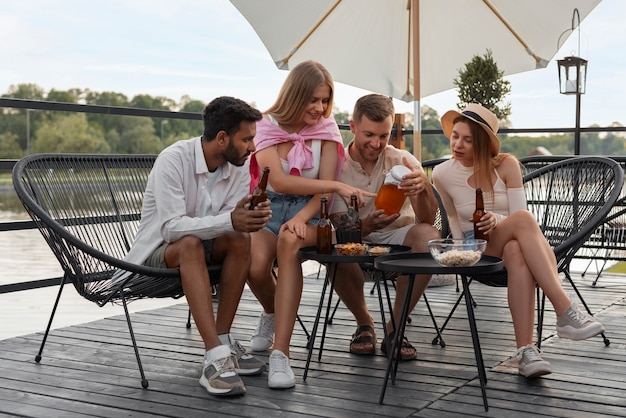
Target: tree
(62, 96)
(433, 146)
(9, 147)
(26, 91)
(138, 136)
(69, 134)
(481, 82)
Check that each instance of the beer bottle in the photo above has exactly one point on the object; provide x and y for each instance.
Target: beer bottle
(356, 226)
(324, 229)
(478, 213)
(259, 194)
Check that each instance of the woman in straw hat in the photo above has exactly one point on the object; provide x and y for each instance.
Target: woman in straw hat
(513, 233)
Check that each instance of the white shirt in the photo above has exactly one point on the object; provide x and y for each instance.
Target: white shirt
(179, 202)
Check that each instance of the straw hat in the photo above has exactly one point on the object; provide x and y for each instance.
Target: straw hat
(482, 116)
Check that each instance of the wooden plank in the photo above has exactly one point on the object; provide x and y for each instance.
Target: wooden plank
(90, 369)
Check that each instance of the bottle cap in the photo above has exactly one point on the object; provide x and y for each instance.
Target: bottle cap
(395, 174)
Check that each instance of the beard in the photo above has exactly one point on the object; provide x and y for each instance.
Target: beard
(231, 154)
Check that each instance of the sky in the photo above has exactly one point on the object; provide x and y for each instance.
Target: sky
(206, 49)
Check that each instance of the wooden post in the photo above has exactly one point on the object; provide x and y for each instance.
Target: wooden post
(397, 139)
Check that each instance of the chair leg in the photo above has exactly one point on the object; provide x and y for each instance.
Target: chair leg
(541, 306)
(432, 317)
(329, 321)
(436, 340)
(54, 310)
(144, 381)
(306, 332)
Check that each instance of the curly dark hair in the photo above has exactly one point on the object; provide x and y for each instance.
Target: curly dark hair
(226, 113)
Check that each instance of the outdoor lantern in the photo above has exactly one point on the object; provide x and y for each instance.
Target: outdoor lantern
(572, 75)
(573, 78)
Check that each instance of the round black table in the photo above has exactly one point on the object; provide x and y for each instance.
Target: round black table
(413, 264)
(332, 261)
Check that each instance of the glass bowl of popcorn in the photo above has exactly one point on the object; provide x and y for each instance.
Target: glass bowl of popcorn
(457, 252)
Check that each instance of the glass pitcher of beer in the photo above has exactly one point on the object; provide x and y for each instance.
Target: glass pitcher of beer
(390, 197)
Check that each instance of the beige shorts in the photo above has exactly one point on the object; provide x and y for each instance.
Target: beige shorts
(157, 258)
(391, 237)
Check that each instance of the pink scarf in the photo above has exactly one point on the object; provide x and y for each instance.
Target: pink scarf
(301, 156)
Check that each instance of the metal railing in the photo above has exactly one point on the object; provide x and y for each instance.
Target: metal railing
(7, 165)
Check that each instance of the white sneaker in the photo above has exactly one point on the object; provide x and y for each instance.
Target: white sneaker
(530, 362)
(280, 375)
(263, 336)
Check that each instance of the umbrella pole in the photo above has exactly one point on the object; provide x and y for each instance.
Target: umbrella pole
(417, 118)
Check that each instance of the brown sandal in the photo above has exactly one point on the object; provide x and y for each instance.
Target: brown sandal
(367, 343)
(407, 351)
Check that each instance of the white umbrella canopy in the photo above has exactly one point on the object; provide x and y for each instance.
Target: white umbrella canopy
(371, 44)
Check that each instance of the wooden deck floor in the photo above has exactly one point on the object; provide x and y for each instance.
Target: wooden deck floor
(90, 369)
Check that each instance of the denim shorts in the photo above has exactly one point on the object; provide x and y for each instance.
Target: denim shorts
(285, 207)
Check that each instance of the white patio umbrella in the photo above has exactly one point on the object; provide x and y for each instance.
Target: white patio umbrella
(373, 44)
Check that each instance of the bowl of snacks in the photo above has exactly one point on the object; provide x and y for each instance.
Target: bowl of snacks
(351, 248)
(457, 252)
(378, 250)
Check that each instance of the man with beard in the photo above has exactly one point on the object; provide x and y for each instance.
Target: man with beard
(196, 212)
(369, 157)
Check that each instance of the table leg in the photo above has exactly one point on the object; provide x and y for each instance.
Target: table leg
(329, 267)
(482, 375)
(332, 267)
(397, 341)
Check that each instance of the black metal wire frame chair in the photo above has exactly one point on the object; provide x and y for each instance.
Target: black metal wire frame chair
(87, 207)
(569, 198)
(608, 241)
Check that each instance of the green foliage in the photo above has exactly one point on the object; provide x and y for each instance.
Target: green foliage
(102, 133)
(9, 147)
(433, 146)
(481, 82)
(69, 134)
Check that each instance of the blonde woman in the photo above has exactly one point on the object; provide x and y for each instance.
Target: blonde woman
(300, 142)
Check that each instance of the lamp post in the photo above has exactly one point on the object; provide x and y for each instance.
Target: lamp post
(573, 80)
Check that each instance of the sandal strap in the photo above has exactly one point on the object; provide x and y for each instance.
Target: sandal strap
(358, 338)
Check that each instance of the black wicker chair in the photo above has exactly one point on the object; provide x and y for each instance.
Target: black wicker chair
(88, 207)
(569, 198)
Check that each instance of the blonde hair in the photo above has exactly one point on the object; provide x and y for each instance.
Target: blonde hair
(297, 91)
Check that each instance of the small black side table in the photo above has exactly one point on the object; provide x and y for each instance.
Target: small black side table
(332, 261)
(423, 263)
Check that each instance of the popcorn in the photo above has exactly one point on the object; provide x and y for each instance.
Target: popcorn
(458, 258)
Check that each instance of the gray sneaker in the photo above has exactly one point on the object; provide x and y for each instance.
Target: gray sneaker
(575, 324)
(263, 336)
(219, 376)
(246, 364)
(530, 362)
